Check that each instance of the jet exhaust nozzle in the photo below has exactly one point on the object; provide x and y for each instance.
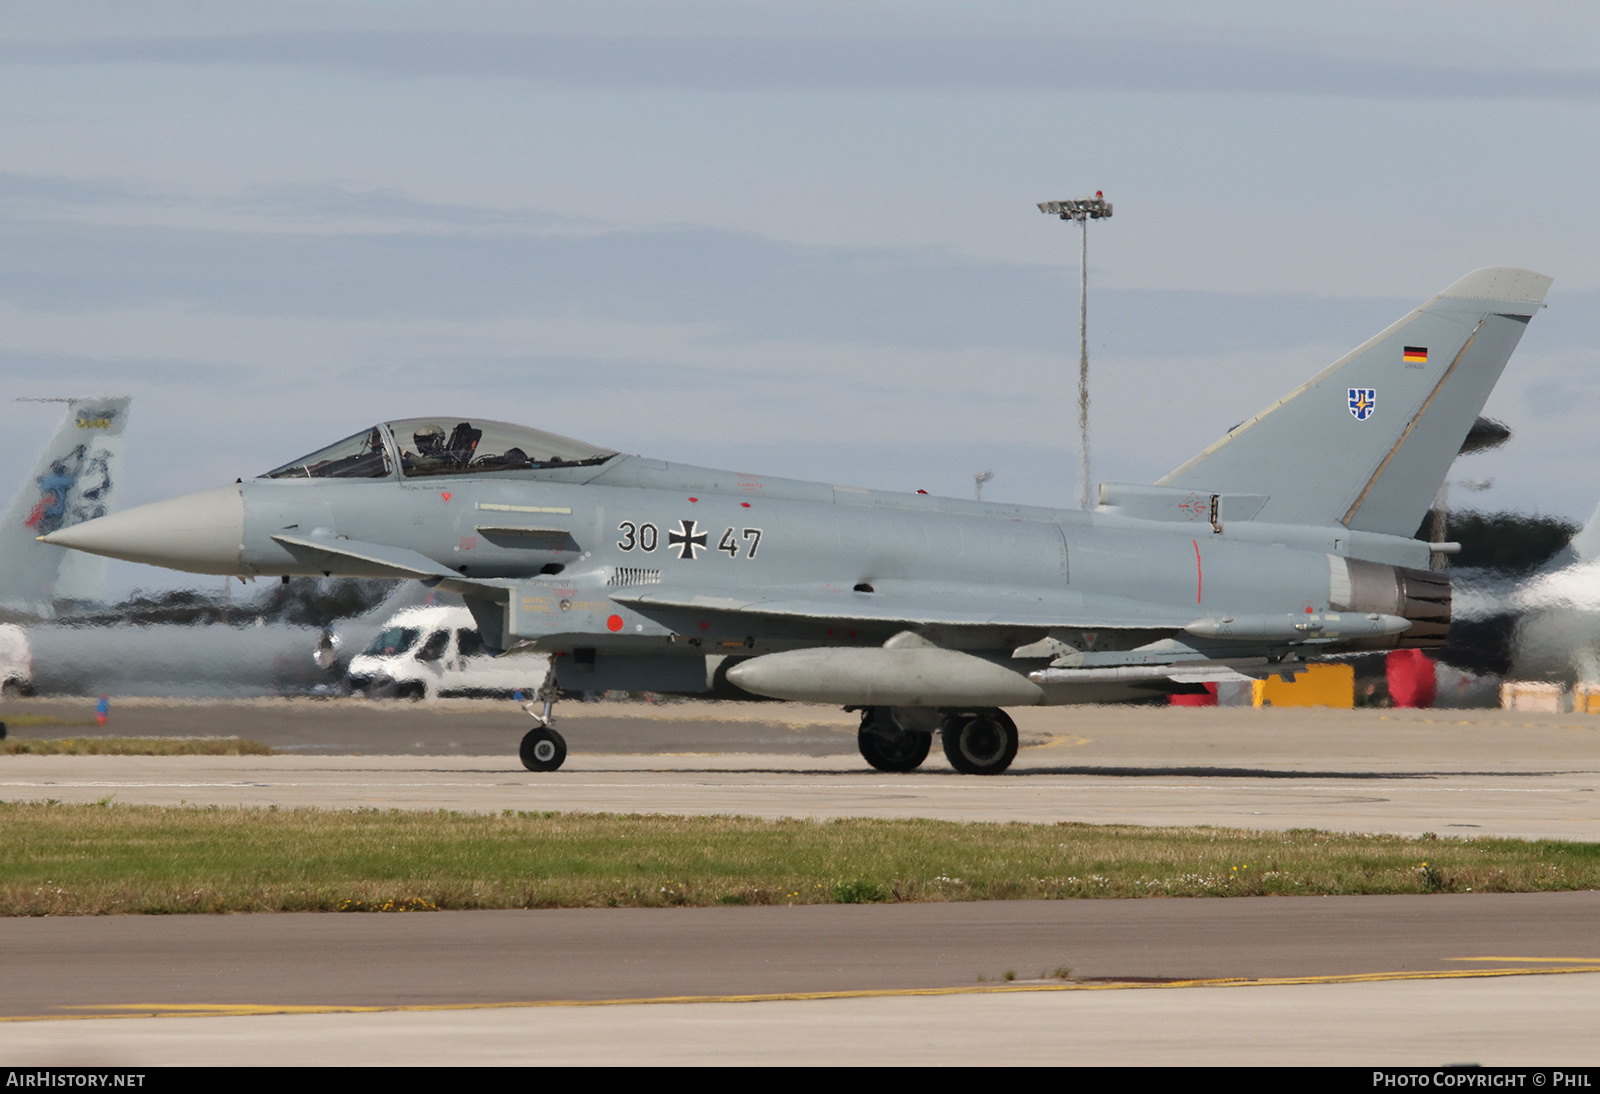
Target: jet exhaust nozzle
(1420, 596)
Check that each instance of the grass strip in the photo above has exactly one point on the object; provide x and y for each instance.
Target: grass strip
(132, 746)
(104, 859)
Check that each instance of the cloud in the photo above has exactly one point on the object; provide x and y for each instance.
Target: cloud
(18, 190)
(335, 203)
(739, 286)
(1097, 59)
(46, 375)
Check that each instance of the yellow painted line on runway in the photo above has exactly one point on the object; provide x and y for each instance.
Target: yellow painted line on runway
(1550, 960)
(1064, 741)
(229, 1010)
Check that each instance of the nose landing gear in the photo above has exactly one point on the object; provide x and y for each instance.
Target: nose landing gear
(543, 749)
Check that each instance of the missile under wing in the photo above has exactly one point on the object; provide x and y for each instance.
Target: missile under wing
(1285, 541)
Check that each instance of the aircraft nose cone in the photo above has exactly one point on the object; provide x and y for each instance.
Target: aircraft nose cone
(198, 532)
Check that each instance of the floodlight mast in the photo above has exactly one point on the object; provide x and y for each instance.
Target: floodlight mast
(978, 479)
(1082, 210)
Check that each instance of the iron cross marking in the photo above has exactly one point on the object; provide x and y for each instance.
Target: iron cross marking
(685, 540)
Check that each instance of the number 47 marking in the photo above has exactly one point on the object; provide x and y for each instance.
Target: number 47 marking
(752, 536)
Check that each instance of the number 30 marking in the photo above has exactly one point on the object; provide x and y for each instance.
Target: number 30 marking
(643, 536)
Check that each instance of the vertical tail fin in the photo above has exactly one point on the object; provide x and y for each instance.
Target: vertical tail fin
(1586, 544)
(1368, 441)
(73, 481)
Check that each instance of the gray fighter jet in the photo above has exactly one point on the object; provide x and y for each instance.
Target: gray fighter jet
(1285, 541)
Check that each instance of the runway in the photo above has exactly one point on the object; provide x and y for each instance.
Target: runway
(1510, 1022)
(1495, 979)
(1503, 979)
(1522, 804)
(1406, 772)
(98, 965)
(451, 727)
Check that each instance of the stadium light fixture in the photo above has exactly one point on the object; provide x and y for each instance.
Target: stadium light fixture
(1082, 210)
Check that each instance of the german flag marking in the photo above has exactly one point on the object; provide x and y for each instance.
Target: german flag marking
(1415, 355)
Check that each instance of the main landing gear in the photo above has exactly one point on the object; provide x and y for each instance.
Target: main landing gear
(980, 743)
(976, 742)
(887, 746)
(543, 749)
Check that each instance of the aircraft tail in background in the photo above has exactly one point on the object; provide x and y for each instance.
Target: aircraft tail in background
(74, 480)
(1367, 442)
(1585, 544)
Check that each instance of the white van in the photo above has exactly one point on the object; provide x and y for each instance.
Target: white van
(426, 653)
(16, 661)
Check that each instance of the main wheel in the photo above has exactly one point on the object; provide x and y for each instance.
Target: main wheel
(980, 744)
(887, 747)
(543, 750)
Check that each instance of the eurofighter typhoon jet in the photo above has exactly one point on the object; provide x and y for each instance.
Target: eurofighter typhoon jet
(1285, 541)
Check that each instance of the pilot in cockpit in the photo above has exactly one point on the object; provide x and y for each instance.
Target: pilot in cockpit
(426, 446)
(430, 441)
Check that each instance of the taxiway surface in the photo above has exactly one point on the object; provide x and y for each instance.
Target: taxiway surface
(1406, 772)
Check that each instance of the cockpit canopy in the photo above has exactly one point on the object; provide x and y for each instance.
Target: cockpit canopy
(441, 446)
(444, 446)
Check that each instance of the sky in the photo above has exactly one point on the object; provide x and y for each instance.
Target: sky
(799, 239)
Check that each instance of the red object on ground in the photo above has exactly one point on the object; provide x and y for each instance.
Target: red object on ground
(1209, 699)
(1411, 679)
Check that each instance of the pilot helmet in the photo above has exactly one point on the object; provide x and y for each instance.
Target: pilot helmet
(430, 439)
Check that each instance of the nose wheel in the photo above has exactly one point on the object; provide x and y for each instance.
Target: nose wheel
(543, 749)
